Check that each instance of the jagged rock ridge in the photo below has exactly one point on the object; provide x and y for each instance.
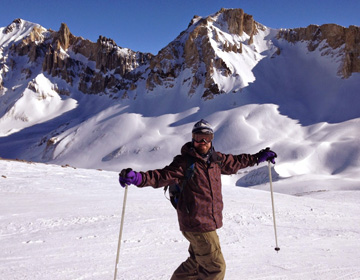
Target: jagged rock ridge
(110, 69)
(57, 52)
(193, 49)
(335, 36)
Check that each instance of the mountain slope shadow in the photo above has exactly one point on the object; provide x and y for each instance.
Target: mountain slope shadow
(304, 88)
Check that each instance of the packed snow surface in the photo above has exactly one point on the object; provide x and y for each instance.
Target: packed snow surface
(63, 223)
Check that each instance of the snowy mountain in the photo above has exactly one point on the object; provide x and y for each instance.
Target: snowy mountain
(67, 100)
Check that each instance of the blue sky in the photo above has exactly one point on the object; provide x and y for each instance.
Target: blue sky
(149, 25)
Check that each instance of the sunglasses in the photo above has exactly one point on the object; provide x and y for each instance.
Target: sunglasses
(203, 138)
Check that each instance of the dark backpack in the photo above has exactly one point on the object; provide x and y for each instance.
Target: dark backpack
(176, 189)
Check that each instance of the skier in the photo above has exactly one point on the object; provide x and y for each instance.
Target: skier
(200, 203)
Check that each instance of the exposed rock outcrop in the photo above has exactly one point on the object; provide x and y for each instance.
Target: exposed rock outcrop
(106, 55)
(113, 65)
(198, 54)
(102, 67)
(347, 40)
(16, 23)
(239, 22)
(31, 45)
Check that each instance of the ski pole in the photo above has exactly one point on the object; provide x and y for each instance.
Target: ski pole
(277, 248)
(120, 233)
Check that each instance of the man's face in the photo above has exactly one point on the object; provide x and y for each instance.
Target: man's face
(202, 142)
(202, 147)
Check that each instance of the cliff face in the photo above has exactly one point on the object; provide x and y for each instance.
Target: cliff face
(194, 50)
(335, 37)
(58, 52)
(193, 60)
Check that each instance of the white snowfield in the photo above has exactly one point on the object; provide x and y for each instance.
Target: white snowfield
(63, 223)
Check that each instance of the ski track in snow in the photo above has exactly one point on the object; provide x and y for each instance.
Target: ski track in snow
(63, 223)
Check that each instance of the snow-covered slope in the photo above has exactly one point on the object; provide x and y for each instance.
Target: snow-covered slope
(288, 100)
(63, 223)
(16, 31)
(37, 104)
(272, 92)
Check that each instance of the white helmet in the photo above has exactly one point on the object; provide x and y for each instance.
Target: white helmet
(202, 127)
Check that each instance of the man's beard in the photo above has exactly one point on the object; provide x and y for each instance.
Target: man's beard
(203, 149)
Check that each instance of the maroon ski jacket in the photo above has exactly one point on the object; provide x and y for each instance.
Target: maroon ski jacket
(200, 205)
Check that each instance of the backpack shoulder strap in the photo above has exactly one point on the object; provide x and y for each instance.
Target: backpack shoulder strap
(176, 189)
(189, 172)
(190, 167)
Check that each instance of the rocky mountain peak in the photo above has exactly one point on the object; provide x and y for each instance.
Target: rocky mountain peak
(330, 37)
(15, 24)
(193, 49)
(63, 36)
(194, 20)
(239, 22)
(105, 53)
(201, 51)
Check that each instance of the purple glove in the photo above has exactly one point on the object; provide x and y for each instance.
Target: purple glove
(128, 177)
(266, 155)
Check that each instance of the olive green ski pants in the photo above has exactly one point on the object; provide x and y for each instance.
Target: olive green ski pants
(206, 261)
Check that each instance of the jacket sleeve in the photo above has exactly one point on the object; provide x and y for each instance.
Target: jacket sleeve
(170, 174)
(230, 164)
